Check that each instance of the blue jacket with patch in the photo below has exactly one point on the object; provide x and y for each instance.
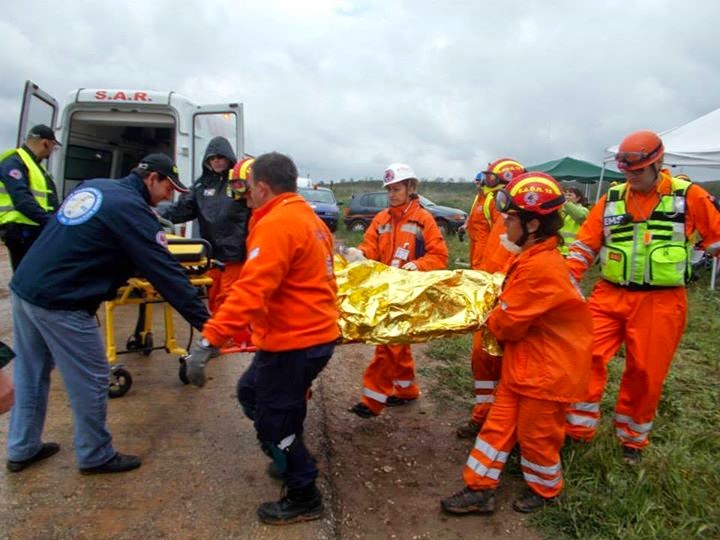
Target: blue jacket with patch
(104, 233)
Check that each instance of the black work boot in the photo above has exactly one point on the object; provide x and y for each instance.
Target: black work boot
(467, 500)
(302, 504)
(531, 501)
(46, 450)
(394, 401)
(362, 410)
(631, 456)
(468, 430)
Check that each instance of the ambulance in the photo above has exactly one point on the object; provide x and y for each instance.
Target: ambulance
(105, 132)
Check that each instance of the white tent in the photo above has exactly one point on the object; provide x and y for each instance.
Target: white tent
(695, 144)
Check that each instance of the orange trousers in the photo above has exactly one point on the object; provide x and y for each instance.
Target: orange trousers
(391, 373)
(537, 425)
(651, 324)
(486, 375)
(223, 281)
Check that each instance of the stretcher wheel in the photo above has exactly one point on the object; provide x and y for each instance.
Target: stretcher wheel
(120, 382)
(182, 371)
(147, 345)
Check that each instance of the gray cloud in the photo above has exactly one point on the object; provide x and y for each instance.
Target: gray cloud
(347, 87)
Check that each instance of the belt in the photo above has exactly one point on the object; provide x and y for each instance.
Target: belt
(643, 286)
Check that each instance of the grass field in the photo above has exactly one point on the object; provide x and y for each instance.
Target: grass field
(675, 493)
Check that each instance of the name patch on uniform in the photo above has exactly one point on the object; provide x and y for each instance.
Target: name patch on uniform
(16, 174)
(209, 192)
(80, 206)
(609, 221)
(254, 252)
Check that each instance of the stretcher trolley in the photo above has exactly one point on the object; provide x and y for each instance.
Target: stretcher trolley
(195, 255)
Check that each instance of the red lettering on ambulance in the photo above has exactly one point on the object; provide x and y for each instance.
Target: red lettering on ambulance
(141, 96)
(119, 96)
(101, 94)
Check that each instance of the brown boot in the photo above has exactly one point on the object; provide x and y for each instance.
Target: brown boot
(468, 430)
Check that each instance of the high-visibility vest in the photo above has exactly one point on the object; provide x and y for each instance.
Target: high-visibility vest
(38, 188)
(655, 252)
(569, 232)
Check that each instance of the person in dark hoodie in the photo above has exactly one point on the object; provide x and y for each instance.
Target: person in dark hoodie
(222, 215)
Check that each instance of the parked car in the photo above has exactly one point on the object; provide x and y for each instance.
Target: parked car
(322, 200)
(362, 209)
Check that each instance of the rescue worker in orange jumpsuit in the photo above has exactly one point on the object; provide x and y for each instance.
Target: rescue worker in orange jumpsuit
(404, 236)
(545, 329)
(495, 258)
(479, 220)
(287, 292)
(640, 231)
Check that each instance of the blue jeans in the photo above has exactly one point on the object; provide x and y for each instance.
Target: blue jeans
(273, 392)
(70, 339)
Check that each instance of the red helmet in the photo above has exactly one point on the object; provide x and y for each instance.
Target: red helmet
(501, 170)
(239, 175)
(638, 150)
(533, 192)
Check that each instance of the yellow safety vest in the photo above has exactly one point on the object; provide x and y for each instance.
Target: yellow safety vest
(653, 253)
(38, 188)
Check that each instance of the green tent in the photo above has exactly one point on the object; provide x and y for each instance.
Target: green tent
(567, 168)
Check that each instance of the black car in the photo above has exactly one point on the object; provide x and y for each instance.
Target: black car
(363, 207)
(322, 200)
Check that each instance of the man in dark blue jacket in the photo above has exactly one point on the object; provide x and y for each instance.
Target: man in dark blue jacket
(104, 232)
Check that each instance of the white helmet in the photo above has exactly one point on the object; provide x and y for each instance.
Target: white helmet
(397, 172)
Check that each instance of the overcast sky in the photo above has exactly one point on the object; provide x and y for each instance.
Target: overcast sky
(347, 87)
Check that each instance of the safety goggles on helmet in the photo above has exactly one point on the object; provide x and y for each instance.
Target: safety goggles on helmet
(479, 177)
(636, 160)
(533, 192)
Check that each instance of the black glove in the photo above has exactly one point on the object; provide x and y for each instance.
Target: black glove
(195, 363)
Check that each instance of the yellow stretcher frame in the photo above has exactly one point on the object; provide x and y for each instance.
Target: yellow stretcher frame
(195, 256)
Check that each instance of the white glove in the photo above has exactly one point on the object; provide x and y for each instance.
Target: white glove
(409, 266)
(195, 362)
(354, 254)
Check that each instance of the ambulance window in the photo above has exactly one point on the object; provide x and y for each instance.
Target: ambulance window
(82, 163)
(206, 127)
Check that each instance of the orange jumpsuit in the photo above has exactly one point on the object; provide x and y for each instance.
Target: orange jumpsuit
(545, 328)
(486, 367)
(649, 322)
(478, 228)
(219, 291)
(398, 235)
(287, 286)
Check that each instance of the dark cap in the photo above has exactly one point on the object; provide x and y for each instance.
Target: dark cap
(41, 131)
(162, 164)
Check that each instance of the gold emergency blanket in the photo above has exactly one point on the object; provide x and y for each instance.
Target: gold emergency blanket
(381, 304)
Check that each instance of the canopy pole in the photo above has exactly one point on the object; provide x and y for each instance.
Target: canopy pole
(602, 174)
(713, 274)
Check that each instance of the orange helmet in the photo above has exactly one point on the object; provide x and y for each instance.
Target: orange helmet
(239, 175)
(638, 150)
(501, 170)
(533, 193)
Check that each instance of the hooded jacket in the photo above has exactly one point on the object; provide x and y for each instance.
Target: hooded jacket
(223, 220)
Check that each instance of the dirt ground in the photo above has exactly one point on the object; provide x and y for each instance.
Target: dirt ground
(203, 474)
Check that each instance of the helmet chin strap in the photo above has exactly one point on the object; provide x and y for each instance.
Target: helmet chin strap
(525, 233)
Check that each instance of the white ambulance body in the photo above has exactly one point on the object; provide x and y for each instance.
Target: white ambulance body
(105, 132)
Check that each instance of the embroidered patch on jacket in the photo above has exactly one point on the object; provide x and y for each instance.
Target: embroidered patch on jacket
(16, 174)
(80, 206)
(161, 238)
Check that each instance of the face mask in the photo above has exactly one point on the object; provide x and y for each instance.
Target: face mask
(507, 244)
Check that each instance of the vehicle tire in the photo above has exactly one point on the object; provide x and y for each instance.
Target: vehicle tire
(443, 225)
(357, 226)
(120, 382)
(133, 343)
(147, 344)
(182, 371)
